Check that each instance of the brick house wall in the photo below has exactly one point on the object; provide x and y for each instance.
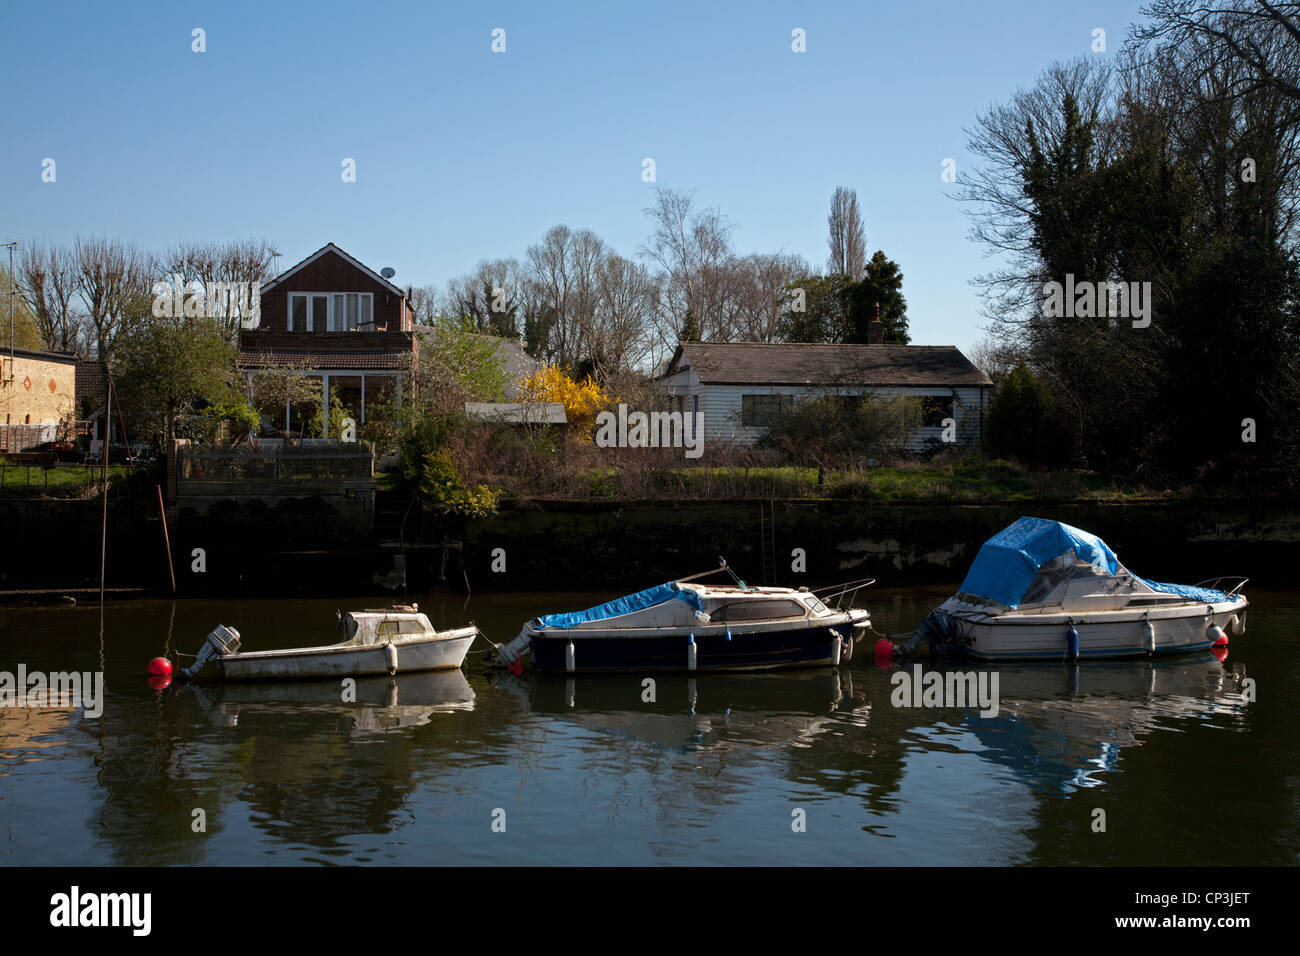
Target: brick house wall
(357, 366)
(38, 388)
(332, 273)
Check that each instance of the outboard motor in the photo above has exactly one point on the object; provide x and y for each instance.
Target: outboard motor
(222, 640)
(507, 654)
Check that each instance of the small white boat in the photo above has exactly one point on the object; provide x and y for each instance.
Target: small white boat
(386, 641)
(1044, 590)
(683, 626)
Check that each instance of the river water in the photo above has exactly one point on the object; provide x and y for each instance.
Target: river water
(483, 767)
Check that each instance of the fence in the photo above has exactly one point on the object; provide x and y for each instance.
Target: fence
(48, 479)
(344, 461)
(16, 438)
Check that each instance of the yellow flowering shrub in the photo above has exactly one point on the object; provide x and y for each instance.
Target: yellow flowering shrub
(582, 400)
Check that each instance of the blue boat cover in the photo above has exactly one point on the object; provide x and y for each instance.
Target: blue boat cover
(1208, 595)
(624, 605)
(1007, 562)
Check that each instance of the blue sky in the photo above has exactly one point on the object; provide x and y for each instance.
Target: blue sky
(463, 154)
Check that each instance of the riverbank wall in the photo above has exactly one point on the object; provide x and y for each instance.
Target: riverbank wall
(305, 546)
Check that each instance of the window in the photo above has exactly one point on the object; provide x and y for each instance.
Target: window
(380, 390)
(757, 611)
(332, 311)
(297, 313)
(934, 409)
(346, 389)
(299, 415)
(320, 305)
(759, 411)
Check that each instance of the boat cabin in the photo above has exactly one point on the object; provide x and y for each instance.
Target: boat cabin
(379, 627)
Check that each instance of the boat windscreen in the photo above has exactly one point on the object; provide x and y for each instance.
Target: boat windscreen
(1191, 592)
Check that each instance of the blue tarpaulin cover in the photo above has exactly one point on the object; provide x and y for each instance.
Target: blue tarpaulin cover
(1008, 561)
(1208, 595)
(624, 605)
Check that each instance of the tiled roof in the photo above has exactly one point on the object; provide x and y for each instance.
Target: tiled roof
(90, 382)
(757, 363)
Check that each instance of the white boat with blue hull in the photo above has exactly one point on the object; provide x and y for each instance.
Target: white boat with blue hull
(686, 626)
(1043, 590)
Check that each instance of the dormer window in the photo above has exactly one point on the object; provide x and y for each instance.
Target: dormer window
(331, 311)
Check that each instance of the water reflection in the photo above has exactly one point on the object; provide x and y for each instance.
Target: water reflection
(1065, 727)
(687, 714)
(374, 705)
(27, 733)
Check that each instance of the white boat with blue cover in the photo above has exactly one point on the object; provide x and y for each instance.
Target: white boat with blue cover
(686, 626)
(1040, 589)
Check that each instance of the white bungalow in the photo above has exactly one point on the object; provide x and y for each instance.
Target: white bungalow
(739, 385)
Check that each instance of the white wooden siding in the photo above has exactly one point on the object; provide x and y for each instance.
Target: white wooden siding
(721, 405)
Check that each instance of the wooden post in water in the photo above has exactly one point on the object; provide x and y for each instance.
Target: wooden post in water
(167, 542)
(103, 491)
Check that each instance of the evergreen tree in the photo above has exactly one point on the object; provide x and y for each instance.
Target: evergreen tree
(881, 283)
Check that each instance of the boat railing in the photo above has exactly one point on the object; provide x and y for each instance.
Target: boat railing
(846, 596)
(1217, 584)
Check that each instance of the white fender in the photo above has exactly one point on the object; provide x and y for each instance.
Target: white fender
(391, 651)
(1149, 637)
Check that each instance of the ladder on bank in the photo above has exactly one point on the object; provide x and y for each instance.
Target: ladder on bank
(766, 520)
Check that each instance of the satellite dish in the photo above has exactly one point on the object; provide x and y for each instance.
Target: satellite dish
(388, 272)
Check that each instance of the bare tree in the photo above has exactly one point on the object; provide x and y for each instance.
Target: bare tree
(759, 296)
(225, 276)
(692, 249)
(1263, 35)
(425, 302)
(113, 282)
(847, 238)
(47, 278)
(491, 296)
(628, 297)
(562, 293)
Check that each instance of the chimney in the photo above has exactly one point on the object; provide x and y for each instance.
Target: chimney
(875, 329)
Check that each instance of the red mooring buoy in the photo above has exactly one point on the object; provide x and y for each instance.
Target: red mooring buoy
(884, 649)
(160, 667)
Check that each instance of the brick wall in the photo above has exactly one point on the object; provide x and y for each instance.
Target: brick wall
(332, 273)
(41, 388)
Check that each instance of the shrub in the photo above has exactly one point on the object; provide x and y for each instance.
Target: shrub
(440, 485)
(837, 430)
(582, 400)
